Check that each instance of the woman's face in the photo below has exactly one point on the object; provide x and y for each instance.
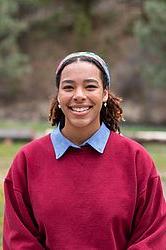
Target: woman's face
(81, 96)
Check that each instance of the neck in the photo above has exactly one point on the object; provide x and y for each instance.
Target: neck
(78, 135)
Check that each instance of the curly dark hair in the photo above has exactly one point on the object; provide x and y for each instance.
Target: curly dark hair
(111, 114)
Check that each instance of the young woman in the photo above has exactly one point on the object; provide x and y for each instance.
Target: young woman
(84, 186)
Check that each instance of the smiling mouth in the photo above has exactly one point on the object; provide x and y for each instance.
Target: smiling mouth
(80, 109)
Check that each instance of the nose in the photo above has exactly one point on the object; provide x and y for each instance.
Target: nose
(79, 95)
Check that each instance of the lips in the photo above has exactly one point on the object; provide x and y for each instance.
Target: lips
(80, 109)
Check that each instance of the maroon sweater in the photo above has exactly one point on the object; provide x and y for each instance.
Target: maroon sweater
(84, 200)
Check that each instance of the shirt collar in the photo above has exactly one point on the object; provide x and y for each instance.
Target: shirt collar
(97, 141)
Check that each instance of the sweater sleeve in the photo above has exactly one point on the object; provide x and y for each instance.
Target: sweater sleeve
(20, 230)
(149, 222)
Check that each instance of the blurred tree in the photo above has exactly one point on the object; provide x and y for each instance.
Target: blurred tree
(151, 32)
(82, 19)
(12, 60)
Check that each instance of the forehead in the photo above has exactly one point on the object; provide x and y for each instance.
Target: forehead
(81, 69)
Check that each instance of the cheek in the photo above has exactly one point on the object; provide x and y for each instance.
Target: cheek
(98, 98)
(63, 98)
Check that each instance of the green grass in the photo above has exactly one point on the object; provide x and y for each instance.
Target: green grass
(158, 153)
(128, 128)
(35, 126)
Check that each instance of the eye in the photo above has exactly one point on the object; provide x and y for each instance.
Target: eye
(91, 86)
(68, 87)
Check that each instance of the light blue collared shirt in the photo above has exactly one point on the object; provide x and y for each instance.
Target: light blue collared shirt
(97, 141)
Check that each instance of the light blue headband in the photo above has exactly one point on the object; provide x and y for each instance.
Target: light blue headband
(88, 55)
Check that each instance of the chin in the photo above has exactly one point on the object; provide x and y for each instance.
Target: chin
(81, 125)
(84, 124)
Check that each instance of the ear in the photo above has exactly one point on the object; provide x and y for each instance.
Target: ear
(105, 95)
(58, 99)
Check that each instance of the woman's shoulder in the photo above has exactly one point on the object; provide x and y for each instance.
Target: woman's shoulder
(36, 147)
(42, 141)
(128, 147)
(123, 140)
(29, 154)
(134, 153)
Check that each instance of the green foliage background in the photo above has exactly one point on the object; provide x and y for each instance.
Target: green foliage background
(151, 32)
(150, 29)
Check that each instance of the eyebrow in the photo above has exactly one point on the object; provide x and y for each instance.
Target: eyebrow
(88, 80)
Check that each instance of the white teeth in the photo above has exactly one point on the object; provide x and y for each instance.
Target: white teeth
(80, 109)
